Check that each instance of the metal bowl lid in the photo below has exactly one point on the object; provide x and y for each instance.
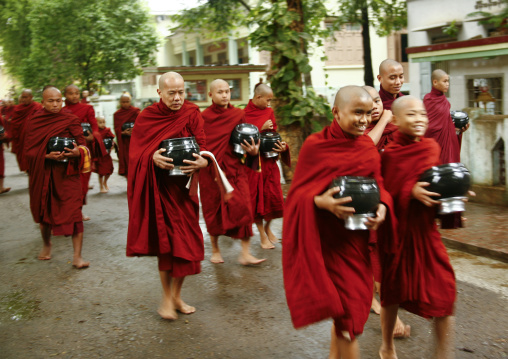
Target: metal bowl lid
(459, 115)
(247, 129)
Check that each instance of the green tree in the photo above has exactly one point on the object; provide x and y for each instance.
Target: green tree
(84, 41)
(385, 15)
(499, 21)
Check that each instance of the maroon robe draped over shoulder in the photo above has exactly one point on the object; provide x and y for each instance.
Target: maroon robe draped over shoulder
(120, 117)
(417, 273)
(388, 98)
(441, 127)
(326, 267)
(233, 217)
(163, 215)
(104, 164)
(55, 187)
(19, 117)
(266, 192)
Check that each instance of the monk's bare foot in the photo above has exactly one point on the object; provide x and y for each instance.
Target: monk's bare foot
(5, 190)
(183, 307)
(106, 187)
(104, 190)
(167, 310)
(271, 237)
(85, 218)
(90, 186)
(45, 253)
(249, 259)
(216, 258)
(79, 263)
(375, 307)
(401, 330)
(266, 244)
(385, 353)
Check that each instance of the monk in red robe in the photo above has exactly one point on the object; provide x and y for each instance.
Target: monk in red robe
(265, 189)
(3, 138)
(417, 274)
(126, 113)
(104, 164)
(232, 217)
(391, 79)
(55, 187)
(84, 96)
(85, 113)
(326, 267)
(163, 212)
(7, 111)
(22, 112)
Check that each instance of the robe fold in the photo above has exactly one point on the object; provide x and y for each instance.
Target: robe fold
(20, 116)
(326, 267)
(55, 187)
(232, 218)
(104, 165)
(387, 135)
(265, 189)
(417, 274)
(388, 98)
(120, 117)
(163, 216)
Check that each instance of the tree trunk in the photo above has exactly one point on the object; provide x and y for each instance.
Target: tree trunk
(368, 76)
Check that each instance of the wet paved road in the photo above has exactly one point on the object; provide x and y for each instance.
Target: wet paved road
(48, 309)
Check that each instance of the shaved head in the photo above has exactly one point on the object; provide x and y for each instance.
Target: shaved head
(216, 83)
(371, 90)
(385, 65)
(220, 93)
(404, 102)
(126, 95)
(52, 99)
(26, 97)
(410, 116)
(169, 77)
(438, 74)
(391, 76)
(70, 87)
(352, 109)
(172, 90)
(262, 90)
(349, 93)
(50, 90)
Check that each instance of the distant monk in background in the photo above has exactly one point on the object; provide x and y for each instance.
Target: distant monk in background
(104, 164)
(84, 96)
(126, 113)
(3, 138)
(27, 108)
(391, 79)
(7, 111)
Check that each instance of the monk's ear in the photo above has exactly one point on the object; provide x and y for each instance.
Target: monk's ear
(379, 78)
(210, 94)
(336, 114)
(394, 119)
(434, 83)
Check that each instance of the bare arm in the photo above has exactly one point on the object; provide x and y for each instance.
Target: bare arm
(377, 131)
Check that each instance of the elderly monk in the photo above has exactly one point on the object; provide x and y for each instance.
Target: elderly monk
(326, 267)
(417, 274)
(55, 187)
(3, 138)
(86, 114)
(126, 113)
(391, 79)
(163, 212)
(22, 112)
(232, 217)
(265, 189)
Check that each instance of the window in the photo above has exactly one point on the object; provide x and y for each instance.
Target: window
(222, 58)
(148, 80)
(195, 90)
(236, 89)
(208, 59)
(487, 93)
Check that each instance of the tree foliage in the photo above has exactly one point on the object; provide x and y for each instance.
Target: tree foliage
(499, 21)
(84, 41)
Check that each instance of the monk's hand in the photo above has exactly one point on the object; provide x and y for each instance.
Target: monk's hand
(194, 166)
(268, 125)
(327, 202)
(251, 148)
(374, 222)
(386, 116)
(127, 132)
(464, 129)
(161, 161)
(421, 194)
(280, 146)
(55, 155)
(90, 137)
(72, 153)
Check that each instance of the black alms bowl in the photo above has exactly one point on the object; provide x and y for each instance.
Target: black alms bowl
(267, 144)
(58, 144)
(364, 193)
(108, 143)
(179, 149)
(87, 128)
(460, 119)
(243, 131)
(127, 125)
(449, 180)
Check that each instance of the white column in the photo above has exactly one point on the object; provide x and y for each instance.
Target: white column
(232, 51)
(185, 54)
(200, 59)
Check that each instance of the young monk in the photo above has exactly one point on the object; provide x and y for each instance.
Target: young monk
(84, 96)
(55, 187)
(326, 267)
(232, 217)
(104, 164)
(391, 79)
(417, 274)
(265, 189)
(126, 113)
(85, 113)
(22, 112)
(163, 212)
(3, 137)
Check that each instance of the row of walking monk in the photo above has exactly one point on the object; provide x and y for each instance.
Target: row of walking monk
(329, 271)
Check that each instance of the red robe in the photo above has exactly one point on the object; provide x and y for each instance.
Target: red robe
(19, 118)
(265, 190)
(387, 135)
(86, 113)
(441, 127)
(120, 117)
(55, 187)
(2, 159)
(163, 213)
(417, 273)
(233, 217)
(104, 164)
(326, 267)
(7, 112)
(388, 98)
